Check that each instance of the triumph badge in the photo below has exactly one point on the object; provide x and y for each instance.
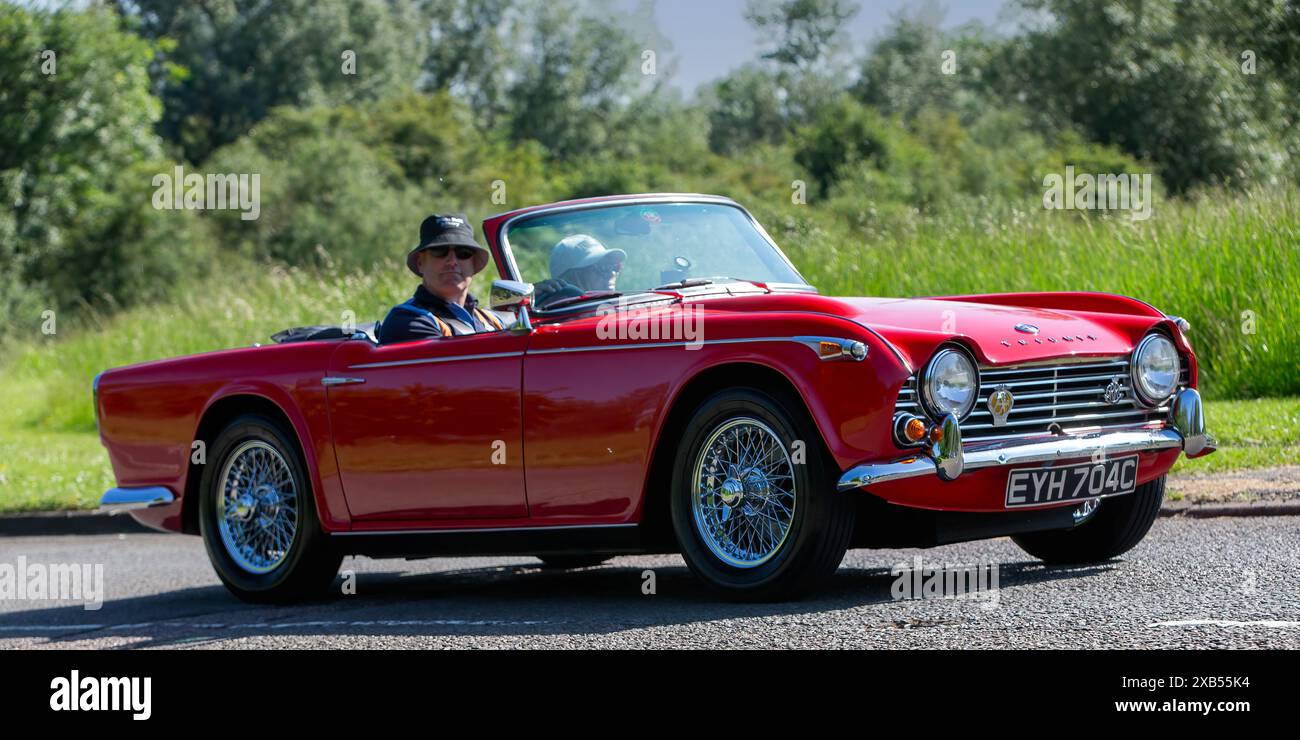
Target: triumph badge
(1000, 403)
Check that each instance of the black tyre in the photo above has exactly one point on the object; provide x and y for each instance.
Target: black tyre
(258, 517)
(1117, 526)
(569, 562)
(753, 520)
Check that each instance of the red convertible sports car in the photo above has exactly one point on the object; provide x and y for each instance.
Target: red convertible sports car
(710, 403)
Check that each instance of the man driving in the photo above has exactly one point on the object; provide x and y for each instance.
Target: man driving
(580, 263)
(446, 259)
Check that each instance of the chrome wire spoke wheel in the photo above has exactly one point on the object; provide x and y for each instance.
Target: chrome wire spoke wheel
(257, 507)
(744, 494)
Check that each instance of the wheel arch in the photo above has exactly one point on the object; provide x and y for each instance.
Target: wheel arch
(654, 513)
(220, 412)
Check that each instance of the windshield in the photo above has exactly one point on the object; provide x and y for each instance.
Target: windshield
(631, 248)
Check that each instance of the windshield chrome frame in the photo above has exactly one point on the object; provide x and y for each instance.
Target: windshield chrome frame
(513, 268)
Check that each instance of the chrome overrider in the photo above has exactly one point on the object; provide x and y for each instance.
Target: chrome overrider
(948, 458)
(126, 499)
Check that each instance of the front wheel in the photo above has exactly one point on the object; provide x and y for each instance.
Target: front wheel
(754, 504)
(1117, 526)
(258, 518)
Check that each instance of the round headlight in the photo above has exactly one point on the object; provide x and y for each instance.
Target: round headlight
(1155, 369)
(951, 384)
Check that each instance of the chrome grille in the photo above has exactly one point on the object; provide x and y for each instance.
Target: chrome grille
(1068, 394)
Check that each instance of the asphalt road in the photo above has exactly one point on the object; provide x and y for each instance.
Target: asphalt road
(1193, 583)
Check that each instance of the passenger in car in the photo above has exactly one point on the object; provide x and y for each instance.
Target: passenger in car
(446, 259)
(579, 263)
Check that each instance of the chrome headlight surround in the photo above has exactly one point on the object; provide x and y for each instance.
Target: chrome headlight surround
(1155, 357)
(943, 367)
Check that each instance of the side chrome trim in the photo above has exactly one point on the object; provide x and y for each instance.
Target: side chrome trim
(482, 530)
(835, 348)
(126, 499)
(434, 360)
(328, 381)
(898, 355)
(812, 343)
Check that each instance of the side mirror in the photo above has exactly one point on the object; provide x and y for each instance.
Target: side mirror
(508, 294)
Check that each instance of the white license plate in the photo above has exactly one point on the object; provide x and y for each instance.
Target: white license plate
(1038, 486)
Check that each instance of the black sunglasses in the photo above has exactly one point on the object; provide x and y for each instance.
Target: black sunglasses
(462, 253)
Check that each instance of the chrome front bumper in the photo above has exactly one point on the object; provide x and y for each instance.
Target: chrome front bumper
(949, 458)
(125, 499)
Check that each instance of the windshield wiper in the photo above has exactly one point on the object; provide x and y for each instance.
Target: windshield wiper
(695, 282)
(687, 283)
(588, 296)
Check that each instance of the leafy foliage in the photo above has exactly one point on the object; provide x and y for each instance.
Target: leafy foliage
(76, 151)
(1165, 82)
(232, 61)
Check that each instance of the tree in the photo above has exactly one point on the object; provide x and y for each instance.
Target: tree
(77, 149)
(746, 110)
(842, 134)
(471, 52)
(807, 34)
(235, 60)
(1153, 79)
(917, 66)
(576, 71)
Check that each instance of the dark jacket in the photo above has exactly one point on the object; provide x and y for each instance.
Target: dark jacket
(427, 316)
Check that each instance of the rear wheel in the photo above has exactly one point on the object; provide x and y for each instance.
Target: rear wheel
(1117, 526)
(258, 517)
(754, 504)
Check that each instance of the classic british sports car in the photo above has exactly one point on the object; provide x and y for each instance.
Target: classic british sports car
(711, 403)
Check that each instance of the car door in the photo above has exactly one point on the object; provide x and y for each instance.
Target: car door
(429, 429)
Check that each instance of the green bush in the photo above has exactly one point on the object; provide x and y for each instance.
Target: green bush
(77, 152)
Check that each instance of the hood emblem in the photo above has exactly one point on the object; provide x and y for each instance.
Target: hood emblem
(1114, 392)
(1000, 403)
(1026, 328)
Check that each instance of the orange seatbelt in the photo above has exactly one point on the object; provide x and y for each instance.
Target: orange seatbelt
(488, 317)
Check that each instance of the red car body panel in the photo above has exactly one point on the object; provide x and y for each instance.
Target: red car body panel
(428, 441)
(559, 427)
(600, 415)
(149, 418)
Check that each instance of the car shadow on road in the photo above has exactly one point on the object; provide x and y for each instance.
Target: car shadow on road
(506, 600)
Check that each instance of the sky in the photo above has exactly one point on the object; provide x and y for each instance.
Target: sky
(711, 37)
